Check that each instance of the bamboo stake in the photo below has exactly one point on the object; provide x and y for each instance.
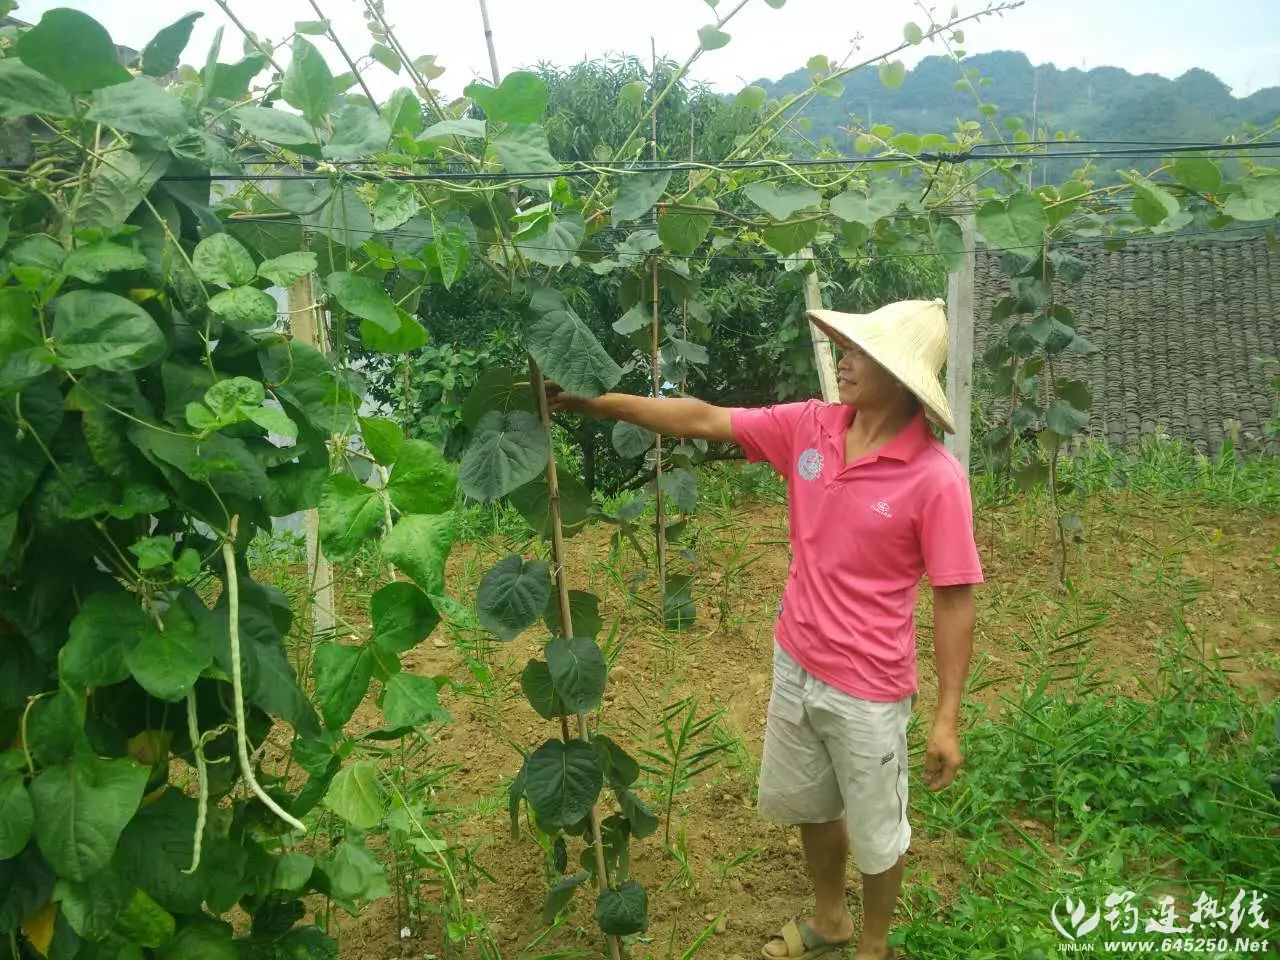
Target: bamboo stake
(538, 384)
(660, 511)
(822, 356)
(566, 614)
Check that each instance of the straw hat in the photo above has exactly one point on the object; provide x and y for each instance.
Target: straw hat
(907, 338)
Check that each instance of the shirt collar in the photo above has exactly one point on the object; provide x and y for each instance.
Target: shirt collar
(835, 418)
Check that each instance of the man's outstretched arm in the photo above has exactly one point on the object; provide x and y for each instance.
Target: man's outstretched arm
(670, 416)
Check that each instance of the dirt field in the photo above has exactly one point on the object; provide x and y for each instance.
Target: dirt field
(1144, 564)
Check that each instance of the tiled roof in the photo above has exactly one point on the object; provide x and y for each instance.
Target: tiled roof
(1180, 325)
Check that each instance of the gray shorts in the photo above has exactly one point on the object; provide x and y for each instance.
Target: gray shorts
(829, 755)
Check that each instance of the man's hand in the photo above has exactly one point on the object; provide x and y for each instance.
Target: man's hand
(942, 756)
(559, 401)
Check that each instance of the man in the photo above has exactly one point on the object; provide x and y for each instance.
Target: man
(874, 503)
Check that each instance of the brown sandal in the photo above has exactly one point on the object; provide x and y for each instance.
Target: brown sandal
(802, 942)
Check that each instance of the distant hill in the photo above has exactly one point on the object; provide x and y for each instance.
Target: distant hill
(1105, 103)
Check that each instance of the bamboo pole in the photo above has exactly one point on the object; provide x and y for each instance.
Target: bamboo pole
(659, 504)
(822, 355)
(305, 314)
(960, 346)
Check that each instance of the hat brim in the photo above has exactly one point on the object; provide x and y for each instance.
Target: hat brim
(926, 387)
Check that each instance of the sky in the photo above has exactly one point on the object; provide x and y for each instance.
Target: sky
(1239, 40)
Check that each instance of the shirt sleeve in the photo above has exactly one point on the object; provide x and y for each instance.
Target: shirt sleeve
(946, 535)
(767, 433)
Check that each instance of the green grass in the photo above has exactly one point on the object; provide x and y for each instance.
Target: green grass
(1077, 790)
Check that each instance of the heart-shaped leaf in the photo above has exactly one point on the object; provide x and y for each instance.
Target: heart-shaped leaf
(343, 672)
(578, 670)
(81, 809)
(637, 194)
(222, 259)
(506, 451)
(623, 910)
(350, 512)
(781, 202)
(411, 701)
(512, 595)
(419, 545)
(160, 55)
(567, 350)
(631, 440)
(422, 481)
(73, 49)
(403, 616)
(355, 795)
(562, 781)
(308, 84)
(522, 97)
(92, 328)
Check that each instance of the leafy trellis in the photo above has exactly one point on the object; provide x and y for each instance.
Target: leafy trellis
(163, 755)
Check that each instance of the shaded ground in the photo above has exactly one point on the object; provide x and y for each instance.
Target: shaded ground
(1144, 565)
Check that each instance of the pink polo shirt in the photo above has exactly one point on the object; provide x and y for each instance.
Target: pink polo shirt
(862, 536)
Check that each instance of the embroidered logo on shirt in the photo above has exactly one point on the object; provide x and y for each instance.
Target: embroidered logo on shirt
(882, 507)
(810, 464)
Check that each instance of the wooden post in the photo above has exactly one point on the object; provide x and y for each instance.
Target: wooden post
(307, 324)
(823, 358)
(960, 345)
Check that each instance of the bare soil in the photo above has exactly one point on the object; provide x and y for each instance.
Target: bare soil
(1144, 565)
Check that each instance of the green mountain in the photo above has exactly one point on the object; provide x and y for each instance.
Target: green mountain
(1106, 103)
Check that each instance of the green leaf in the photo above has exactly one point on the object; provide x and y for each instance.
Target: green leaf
(789, 238)
(402, 616)
(160, 55)
(533, 501)
(1197, 173)
(683, 232)
(23, 92)
(357, 132)
(168, 662)
(291, 871)
(73, 49)
(562, 781)
(403, 112)
(231, 81)
(637, 318)
(521, 98)
(393, 205)
(409, 335)
(630, 440)
(350, 512)
(312, 28)
(16, 815)
(288, 268)
(275, 126)
(712, 37)
(507, 450)
(523, 148)
(497, 389)
(781, 202)
(584, 611)
(949, 241)
(342, 679)
(1259, 199)
(153, 552)
(448, 253)
(362, 297)
(187, 567)
(637, 193)
(386, 56)
(558, 245)
(91, 907)
(422, 481)
(751, 97)
(93, 263)
(1016, 223)
(245, 308)
(92, 328)
(81, 810)
(1152, 204)
(354, 874)
(466, 127)
(678, 609)
(411, 701)
(892, 73)
(620, 768)
(419, 545)
(140, 107)
(852, 206)
(355, 795)
(560, 895)
(578, 670)
(623, 910)
(566, 349)
(308, 84)
(117, 185)
(144, 922)
(538, 689)
(1069, 412)
(912, 33)
(512, 595)
(633, 93)
(222, 259)
(98, 638)
(383, 438)
(682, 488)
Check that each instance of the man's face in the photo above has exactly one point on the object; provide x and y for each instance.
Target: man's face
(863, 382)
